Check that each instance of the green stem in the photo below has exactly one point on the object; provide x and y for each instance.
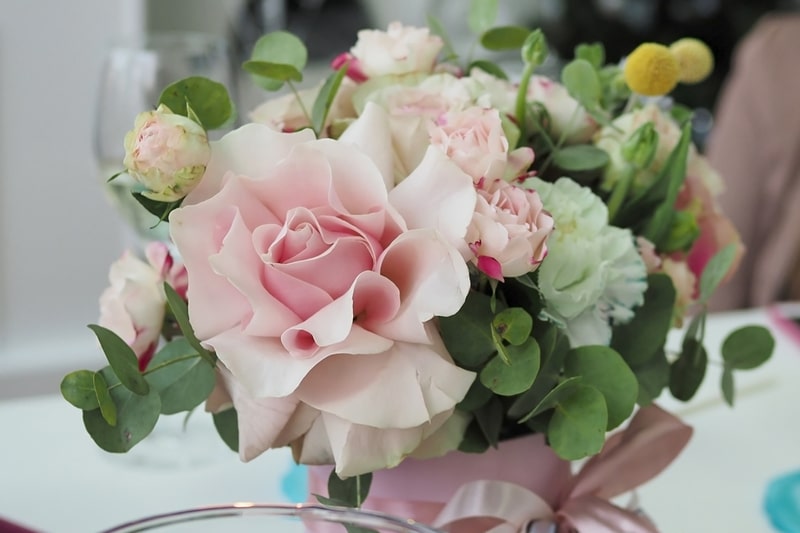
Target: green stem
(299, 101)
(632, 99)
(160, 366)
(521, 104)
(561, 139)
(620, 192)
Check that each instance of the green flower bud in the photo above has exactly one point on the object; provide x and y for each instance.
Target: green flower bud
(534, 50)
(640, 148)
(682, 234)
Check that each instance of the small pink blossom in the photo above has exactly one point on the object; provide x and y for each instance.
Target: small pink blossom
(133, 306)
(509, 230)
(474, 139)
(399, 50)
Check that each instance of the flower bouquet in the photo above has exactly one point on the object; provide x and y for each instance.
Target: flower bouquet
(426, 260)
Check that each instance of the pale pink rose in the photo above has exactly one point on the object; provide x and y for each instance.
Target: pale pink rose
(167, 153)
(284, 113)
(133, 306)
(412, 108)
(474, 139)
(685, 284)
(398, 51)
(315, 286)
(509, 230)
(567, 117)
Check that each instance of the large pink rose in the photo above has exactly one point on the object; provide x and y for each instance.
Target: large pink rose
(509, 230)
(315, 286)
(133, 306)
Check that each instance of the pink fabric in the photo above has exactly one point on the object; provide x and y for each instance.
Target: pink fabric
(632, 457)
(419, 489)
(9, 527)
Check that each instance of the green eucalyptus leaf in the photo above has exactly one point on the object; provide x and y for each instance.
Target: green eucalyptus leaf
(209, 100)
(605, 370)
(324, 100)
(275, 71)
(582, 82)
(504, 38)
(594, 53)
(482, 14)
(646, 333)
(726, 385)
(747, 347)
(477, 396)
(180, 311)
(490, 68)
(554, 347)
(580, 157)
(516, 376)
(490, 420)
(157, 208)
(278, 47)
(78, 389)
(474, 440)
(227, 425)
(653, 377)
(513, 325)
(437, 28)
(182, 378)
(715, 271)
(136, 416)
(563, 390)
(468, 333)
(577, 428)
(689, 370)
(122, 359)
(107, 408)
(352, 490)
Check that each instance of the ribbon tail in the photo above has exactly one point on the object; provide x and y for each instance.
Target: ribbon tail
(595, 515)
(478, 504)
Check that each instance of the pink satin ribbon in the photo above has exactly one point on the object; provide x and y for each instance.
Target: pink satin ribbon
(630, 458)
(522, 481)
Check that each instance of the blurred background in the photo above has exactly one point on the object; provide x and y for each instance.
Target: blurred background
(58, 231)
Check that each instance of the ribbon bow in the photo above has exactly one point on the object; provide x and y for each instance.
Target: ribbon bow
(629, 458)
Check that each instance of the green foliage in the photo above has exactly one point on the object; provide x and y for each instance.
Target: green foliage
(227, 425)
(78, 389)
(747, 347)
(180, 311)
(122, 359)
(324, 100)
(490, 420)
(136, 416)
(482, 14)
(652, 377)
(504, 38)
(349, 492)
(490, 68)
(714, 272)
(437, 28)
(182, 378)
(516, 375)
(578, 426)
(580, 157)
(593, 53)
(688, 371)
(605, 370)
(200, 99)
(468, 333)
(581, 81)
(277, 57)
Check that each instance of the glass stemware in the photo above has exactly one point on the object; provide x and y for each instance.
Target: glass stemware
(133, 76)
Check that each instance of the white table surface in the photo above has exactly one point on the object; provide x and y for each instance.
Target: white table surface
(54, 479)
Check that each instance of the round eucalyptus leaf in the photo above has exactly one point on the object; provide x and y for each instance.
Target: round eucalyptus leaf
(748, 347)
(207, 99)
(515, 376)
(78, 389)
(577, 428)
(279, 47)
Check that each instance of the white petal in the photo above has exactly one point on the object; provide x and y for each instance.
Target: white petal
(370, 132)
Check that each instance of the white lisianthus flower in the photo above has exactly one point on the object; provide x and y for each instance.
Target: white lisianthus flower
(593, 275)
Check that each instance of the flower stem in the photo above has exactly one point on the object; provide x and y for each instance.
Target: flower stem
(299, 100)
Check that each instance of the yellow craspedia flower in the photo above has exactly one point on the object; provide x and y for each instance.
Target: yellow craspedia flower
(695, 60)
(651, 70)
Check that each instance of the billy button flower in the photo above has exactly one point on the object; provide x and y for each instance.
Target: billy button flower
(651, 70)
(695, 60)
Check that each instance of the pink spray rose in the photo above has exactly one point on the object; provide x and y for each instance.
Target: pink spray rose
(315, 286)
(474, 139)
(167, 153)
(398, 51)
(133, 306)
(509, 230)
